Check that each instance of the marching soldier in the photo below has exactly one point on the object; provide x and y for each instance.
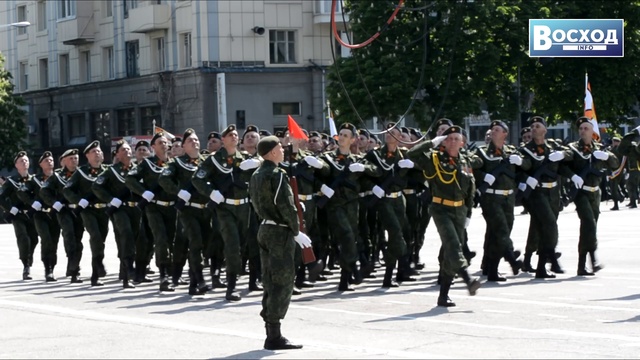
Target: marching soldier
(17, 212)
(627, 146)
(214, 142)
(144, 242)
(251, 253)
(279, 232)
(78, 191)
(616, 175)
(176, 147)
(71, 226)
(47, 227)
(589, 163)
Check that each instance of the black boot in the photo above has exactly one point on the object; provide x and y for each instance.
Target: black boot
(102, 271)
(176, 276)
(473, 284)
(300, 281)
(315, 269)
(141, 273)
(512, 258)
(387, 282)
(202, 284)
(615, 205)
(275, 340)
(345, 275)
(127, 281)
(555, 265)
(232, 294)
(193, 284)
(254, 271)
(356, 274)
(366, 267)
(404, 270)
(443, 298)
(582, 265)
(165, 284)
(541, 270)
(595, 265)
(48, 271)
(492, 271)
(526, 264)
(74, 267)
(121, 272)
(216, 283)
(95, 272)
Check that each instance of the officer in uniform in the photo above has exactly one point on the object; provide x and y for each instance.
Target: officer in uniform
(47, 227)
(251, 253)
(590, 161)
(176, 147)
(71, 226)
(110, 188)
(214, 142)
(617, 174)
(453, 189)
(143, 180)
(224, 180)
(78, 191)
(17, 210)
(272, 199)
(627, 146)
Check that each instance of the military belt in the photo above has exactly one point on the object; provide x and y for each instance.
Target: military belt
(548, 185)
(499, 192)
(72, 206)
(305, 197)
(45, 210)
(366, 193)
(447, 202)
(590, 188)
(98, 206)
(163, 203)
(409, 191)
(271, 222)
(129, 203)
(236, 202)
(394, 195)
(196, 205)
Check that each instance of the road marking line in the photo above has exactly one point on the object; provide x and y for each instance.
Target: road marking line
(561, 298)
(511, 294)
(554, 316)
(497, 311)
(399, 302)
(591, 285)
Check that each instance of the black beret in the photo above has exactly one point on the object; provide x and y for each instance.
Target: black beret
(204, 152)
(464, 133)
(251, 128)
(91, 146)
(142, 143)
(176, 139)
(325, 136)
(214, 134)
(157, 135)
(267, 144)
(279, 134)
(444, 121)
(391, 125)
(374, 137)
(188, 133)
(453, 130)
(45, 155)
(314, 134)
(525, 130)
(229, 129)
(19, 155)
(119, 145)
(537, 119)
(500, 123)
(69, 153)
(364, 132)
(416, 132)
(581, 120)
(405, 130)
(264, 133)
(348, 126)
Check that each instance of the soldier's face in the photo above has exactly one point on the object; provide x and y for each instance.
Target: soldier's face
(124, 153)
(363, 141)
(498, 134)
(453, 143)
(315, 143)
(71, 162)
(160, 146)
(214, 144)
(371, 144)
(441, 129)
(278, 153)
(487, 135)
(615, 143)
(251, 139)
(142, 152)
(392, 136)
(345, 138)
(231, 139)
(177, 149)
(191, 145)
(526, 137)
(47, 164)
(95, 156)
(22, 164)
(586, 132)
(538, 131)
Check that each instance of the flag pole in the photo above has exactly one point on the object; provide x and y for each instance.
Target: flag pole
(154, 126)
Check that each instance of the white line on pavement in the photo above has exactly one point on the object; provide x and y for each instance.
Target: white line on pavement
(398, 302)
(497, 311)
(554, 316)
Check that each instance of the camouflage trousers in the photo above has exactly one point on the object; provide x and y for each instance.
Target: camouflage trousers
(588, 207)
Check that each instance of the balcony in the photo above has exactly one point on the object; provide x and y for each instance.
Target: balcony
(322, 12)
(78, 30)
(150, 18)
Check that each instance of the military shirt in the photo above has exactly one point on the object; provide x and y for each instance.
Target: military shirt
(583, 159)
(30, 192)
(178, 175)
(9, 193)
(488, 158)
(631, 149)
(339, 178)
(81, 182)
(144, 177)
(111, 184)
(272, 197)
(391, 177)
(535, 156)
(52, 188)
(222, 172)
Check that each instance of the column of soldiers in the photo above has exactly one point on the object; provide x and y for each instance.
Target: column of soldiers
(367, 205)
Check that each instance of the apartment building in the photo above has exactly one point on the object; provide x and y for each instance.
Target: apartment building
(107, 69)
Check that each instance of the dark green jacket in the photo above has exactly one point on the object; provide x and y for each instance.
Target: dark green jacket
(80, 185)
(272, 197)
(582, 158)
(144, 177)
(178, 175)
(9, 193)
(111, 184)
(222, 172)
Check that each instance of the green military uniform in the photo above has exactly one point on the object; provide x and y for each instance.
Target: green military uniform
(110, 188)
(94, 217)
(587, 199)
(193, 214)
(631, 149)
(26, 235)
(616, 177)
(251, 251)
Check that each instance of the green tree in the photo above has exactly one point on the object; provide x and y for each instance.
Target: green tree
(13, 130)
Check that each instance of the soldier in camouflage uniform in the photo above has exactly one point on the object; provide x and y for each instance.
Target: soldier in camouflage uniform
(251, 252)
(17, 210)
(273, 201)
(616, 174)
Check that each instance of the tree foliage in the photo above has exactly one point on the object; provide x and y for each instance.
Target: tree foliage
(13, 130)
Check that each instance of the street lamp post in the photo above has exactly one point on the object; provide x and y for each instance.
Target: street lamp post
(20, 24)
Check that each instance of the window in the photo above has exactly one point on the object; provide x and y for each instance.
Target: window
(108, 64)
(147, 115)
(185, 53)
(42, 15)
(282, 47)
(43, 73)
(77, 129)
(23, 70)
(133, 52)
(286, 108)
(85, 66)
(128, 5)
(64, 69)
(22, 16)
(159, 60)
(108, 8)
(101, 126)
(126, 122)
(66, 8)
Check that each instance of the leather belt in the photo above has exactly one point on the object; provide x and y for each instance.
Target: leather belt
(236, 202)
(409, 191)
(394, 195)
(163, 203)
(98, 206)
(196, 205)
(590, 188)
(129, 203)
(548, 185)
(447, 202)
(72, 206)
(45, 210)
(366, 193)
(499, 192)
(305, 197)
(271, 222)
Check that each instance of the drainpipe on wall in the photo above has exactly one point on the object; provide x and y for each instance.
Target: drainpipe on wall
(325, 118)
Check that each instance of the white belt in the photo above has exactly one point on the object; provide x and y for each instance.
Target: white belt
(394, 195)
(366, 193)
(236, 201)
(196, 205)
(271, 222)
(548, 185)
(409, 191)
(590, 188)
(305, 197)
(163, 203)
(499, 192)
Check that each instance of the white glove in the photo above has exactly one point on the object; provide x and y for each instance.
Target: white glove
(378, 191)
(148, 195)
(637, 129)
(57, 205)
(14, 211)
(556, 156)
(216, 196)
(184, 195)
(356, 167)
(83, 203)
(626, 176)
(115, 202)
(532, 182)
(327, 191)
(249, 164)
(601, 155)
(577, 181)
(303, 240)
(522, 186)
(304, 208)
(489, 179)
(515, 160)
(37, 206)
(438, 140)
(405, 164)
(313, 161)
(466, 222)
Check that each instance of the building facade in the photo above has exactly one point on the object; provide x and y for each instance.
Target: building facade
(106, 69)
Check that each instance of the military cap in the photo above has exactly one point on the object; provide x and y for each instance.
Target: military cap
(279, 134)
(142, 143)
(525, 130)
(264, 133)
(250, 128)
(500, 123)
(314, 134)
(453, 130)
(416, 132)
(69, 152)
(364, 132)
(229, 129)
(464, 133)
(267, 144)
(204, 152)
(325, 136)
(156, 136)
(581, 120)
(19, 155)
(391, 125)
(188, 133)
(214, 135)
(444, 121)
(405, 130)
(93, 145)
(332, 141)
(45, 155)
(119, 145)
(348, 126)
(537, 119)
(176, 139)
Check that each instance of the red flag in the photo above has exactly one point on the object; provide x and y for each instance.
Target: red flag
(295, 131)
